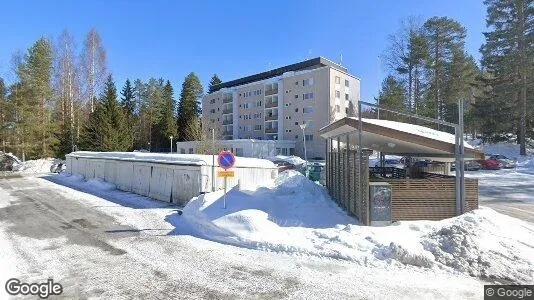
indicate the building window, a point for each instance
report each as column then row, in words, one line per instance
column 288, row 117
column 307, row 110
column 338, row 94
column 182, row 151
column 309, row 137
column 338, row 80
column 307, row 96
column 296, row 123
column 288, row 104
column 307, row 82
column 257, row 127
column 212, row 110
column 296, row 110
column 346, row 96
column 296, row 136
column 309, row 123
column 296, row 83
column 338, row 108
column 212, row 101
column 190, row 150
column 346, row 83
column 258, row 104
column 288, row 130
column 296, row 96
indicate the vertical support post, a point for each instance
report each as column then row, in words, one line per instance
column 347, row 176
column 459, row 161
column 338, row 165
column 365, row 208
column 212, row 159
column 330, row 169
column 327, row 161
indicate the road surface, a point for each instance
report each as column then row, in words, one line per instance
column 51, row 231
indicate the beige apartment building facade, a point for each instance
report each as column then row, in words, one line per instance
column 272, row 105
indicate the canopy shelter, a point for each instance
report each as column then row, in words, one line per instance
column 348, row 141
column 404, row 139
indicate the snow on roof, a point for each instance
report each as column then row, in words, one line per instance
column 177, row 159
column 416, row 129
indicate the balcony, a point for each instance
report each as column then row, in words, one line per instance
column 271, row 92
column 269, row 129
column 228, row 111
column 227, row 100
column 271, row 117
column 228, row 122
column 271, row 104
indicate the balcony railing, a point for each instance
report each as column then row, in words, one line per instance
column 271, row 92
column 227, row 100
column 228, row 110
column 271, row 117
column 271, row 129
column 271, row 104
column 228, row 122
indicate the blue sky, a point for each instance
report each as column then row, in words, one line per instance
column 170, row 38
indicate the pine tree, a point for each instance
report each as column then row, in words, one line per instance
column 445, row 37
column 166, row 126
column 509, row 55
column 35, row 72
column 215, row 80
column 107, row 129
column 127, row 99
column 189, row 109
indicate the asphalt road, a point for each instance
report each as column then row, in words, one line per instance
column 515, row 208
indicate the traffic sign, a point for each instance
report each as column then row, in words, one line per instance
column 225, row 174
column 226, row 159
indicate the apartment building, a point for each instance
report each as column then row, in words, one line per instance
column 272, row 105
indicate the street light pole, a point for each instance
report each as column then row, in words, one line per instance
column 171, row 143
column 303, row 126
column 213, row 160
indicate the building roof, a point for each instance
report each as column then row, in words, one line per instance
column 300, row 66
column 399, row 138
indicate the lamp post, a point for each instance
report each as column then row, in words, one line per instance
column 171, row 143
column 303, row 126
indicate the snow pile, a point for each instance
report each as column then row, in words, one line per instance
column 180, row 159
column 297, row 216
column 38, row 166
column 290, row 159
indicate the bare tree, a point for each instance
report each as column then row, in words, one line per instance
column 66, row 82
column 93, row 66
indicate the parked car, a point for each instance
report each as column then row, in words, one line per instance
column 506, row 162
column 283, row 165
column 469, row 165
column 490, row 164
column 392, row 163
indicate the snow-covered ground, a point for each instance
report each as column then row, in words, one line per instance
column 286, row 241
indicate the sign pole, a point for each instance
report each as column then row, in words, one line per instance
column 224, row 200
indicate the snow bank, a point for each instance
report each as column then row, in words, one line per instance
column 38, row 166
column 181, row 159
column 290, row 159
column 297, row 216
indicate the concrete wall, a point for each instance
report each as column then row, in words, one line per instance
column 176, row 183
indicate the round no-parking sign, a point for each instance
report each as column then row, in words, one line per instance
column 226, row 159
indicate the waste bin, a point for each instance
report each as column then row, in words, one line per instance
column 379, row 203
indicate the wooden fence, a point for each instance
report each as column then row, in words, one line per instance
column 428, row 199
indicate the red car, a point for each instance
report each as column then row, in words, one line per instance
column 490, row 164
